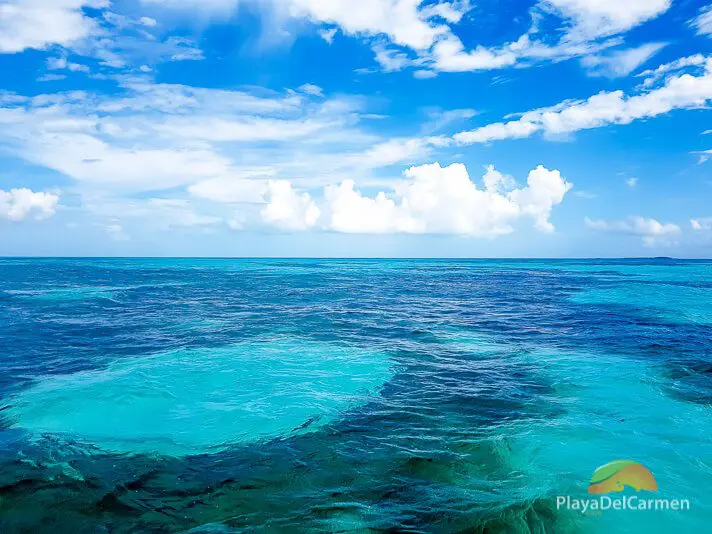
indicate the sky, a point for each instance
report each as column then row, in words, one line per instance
column 377, row 128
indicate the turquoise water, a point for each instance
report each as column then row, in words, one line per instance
column 349, row 396
column 202, row 400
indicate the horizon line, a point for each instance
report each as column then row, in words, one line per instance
column 446, row 258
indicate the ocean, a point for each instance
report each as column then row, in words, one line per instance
column 433, row 396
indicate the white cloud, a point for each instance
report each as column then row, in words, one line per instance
column 703, row 22
column 653, row 76
column 496, row 181
column 428, row 31
column 17, row 204
column 497, row 131
column 288, row 210
column 246, row 128
column 545, row 189
column 148, row 21
column 311, row 89
column 328, row 35
column 452, row 12
column 149, row 137
column 431, row 199
column 391, row 60
column 407, row 150
column 409, row 33
column 94, row 161
column 404, row 33
column 62, row 63
column 596, row 18
column 117, row 41
column 620, row 62
column 400, row 20
column 449, row 55
column 652, row 232
column 701, row 224
column 425, row 74
column 685, row 91
column 631, row 182
column 350, row 212
column 41, row 23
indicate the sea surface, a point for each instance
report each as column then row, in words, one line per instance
column 443, row 396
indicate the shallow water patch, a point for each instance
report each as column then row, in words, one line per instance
column 199, row 401
column 615, row 408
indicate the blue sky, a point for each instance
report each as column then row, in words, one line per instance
column 539, row 128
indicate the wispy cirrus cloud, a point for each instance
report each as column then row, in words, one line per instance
column 619, row 63
column 702, row 23
column 684, row 91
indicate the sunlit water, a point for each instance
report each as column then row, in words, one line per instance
column 349, row 396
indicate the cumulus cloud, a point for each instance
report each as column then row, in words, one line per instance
column 431, row 199
column 684, row 91
column 287, row 209
column 651, row 231
column 18, row 204
column 351, row 212
column 620, row 63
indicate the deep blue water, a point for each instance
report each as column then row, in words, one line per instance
column 349, row 395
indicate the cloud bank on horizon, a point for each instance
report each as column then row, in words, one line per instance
column 265, row 127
